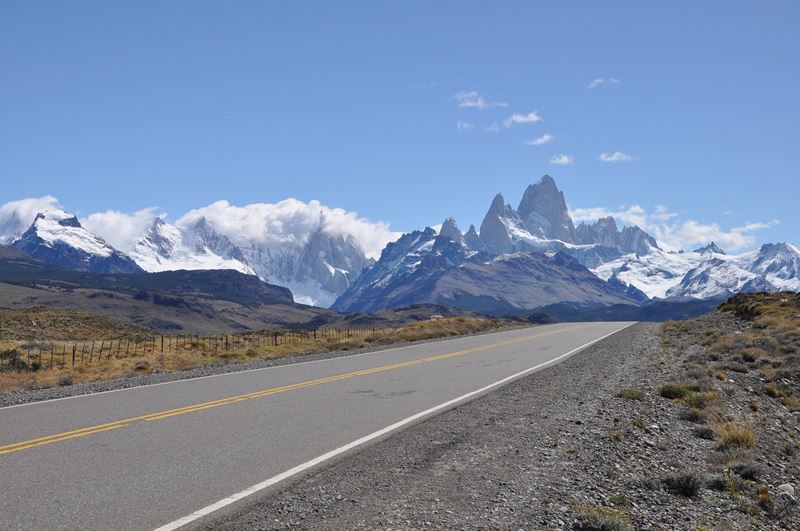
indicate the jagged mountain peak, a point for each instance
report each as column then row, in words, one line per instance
column 57, row 238
column 495, row 227
column 544, row 211
column 450, row 230
column 158, row 221
column 165, row 247
column 498, row 205
column 711, row 248
column 633, row 239
column 608, row 223
column 161, row 237
column 61, row 217
column 472, row 240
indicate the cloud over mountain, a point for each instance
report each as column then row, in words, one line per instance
column 667, row 228
column 120, row 229
column 17, row 216
column 291, row 221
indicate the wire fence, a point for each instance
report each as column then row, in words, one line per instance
column 48, row 355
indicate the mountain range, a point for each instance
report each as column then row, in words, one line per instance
column 534, row 256
column 521, row 258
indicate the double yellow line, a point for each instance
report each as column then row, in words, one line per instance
column 100, row 428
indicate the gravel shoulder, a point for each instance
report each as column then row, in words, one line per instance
column 555, row 450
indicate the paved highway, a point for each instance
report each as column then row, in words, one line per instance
column 168, row 454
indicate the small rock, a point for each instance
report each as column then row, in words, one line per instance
column 787, row 488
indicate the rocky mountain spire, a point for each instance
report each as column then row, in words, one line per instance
column 604, row 232
column 472, row 240
column 450, row 230
column 494, row 228
column 544, row 212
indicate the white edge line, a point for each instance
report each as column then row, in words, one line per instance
column 205, row 511
column 281, row 366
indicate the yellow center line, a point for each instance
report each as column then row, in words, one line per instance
column 160, row 415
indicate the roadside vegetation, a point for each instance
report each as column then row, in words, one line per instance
column 707, row 427
column 733, row 377
column 58, row 348
column 39, row 323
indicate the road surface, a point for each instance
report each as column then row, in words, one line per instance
column 166, row 455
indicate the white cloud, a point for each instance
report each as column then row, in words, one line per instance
column 603, row 82
column 673, row 233
column 562, row 160
column 617, row 156
column 541, row 140
column 508, row 123
column 472, row 100
column 464, row 127
column 17, row 216
column 120, row 229
column 291, row 221
column 288, row 221
column 530, row 118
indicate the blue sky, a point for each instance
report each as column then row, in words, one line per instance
column 111, row 105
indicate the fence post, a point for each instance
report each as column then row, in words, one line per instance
column 74, row 347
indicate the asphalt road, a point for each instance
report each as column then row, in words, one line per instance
column 148, row 457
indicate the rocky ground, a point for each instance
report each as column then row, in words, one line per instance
column 640, row 431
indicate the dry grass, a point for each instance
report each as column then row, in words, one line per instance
column 196, row 353
column 631, row 394
column 42, row 323
column 616, row 435
column 595, row 518
column 765, row 500
column 733, row 435
column 791, row 403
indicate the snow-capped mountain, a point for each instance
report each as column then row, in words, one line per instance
column 426, row 267
column 57, row 238
column 163, row 248
column 11, row 228
column 708, row 272
column 325, row 254
column 423, row 267
column 314, row 250
column 526, row 257
column 316, row 269
column 542, row 223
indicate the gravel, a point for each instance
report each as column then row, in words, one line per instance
column 555, row 450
